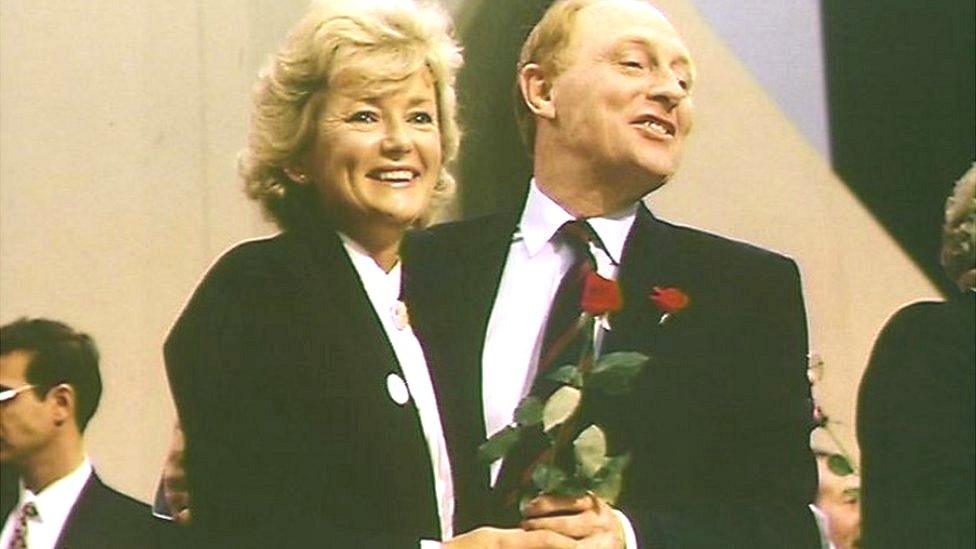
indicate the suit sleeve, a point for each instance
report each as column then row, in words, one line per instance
column 209, row 358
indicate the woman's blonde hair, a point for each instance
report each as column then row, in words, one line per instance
column 381, row 41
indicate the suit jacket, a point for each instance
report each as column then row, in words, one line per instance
column 718, row 424
column 915, row 424
column 101, row 518
column 105, row 518
column 278, row 367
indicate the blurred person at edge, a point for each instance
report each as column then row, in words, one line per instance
column 839, row 503
column 309, row 414
column 49, row 390
column 915, row 420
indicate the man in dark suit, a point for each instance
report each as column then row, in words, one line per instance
column 915, row 421
column 718, row 425
column 50, row 390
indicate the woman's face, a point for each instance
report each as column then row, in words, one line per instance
column 376, row 154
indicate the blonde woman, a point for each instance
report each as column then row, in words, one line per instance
column 309, row 413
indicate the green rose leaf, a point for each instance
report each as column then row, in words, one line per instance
column 609, row 480
column 839, row 465
column 529, row 411
column 590, row 448
column 498, row 444
column 560, row 406
column 524, row 502
column 548, row 478
column 614, row 373
column 572, row 488
column 568, row 374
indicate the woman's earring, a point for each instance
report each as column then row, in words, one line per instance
column 296, row 176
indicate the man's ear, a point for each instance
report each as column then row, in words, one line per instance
column 536, row 91
column 64, row 400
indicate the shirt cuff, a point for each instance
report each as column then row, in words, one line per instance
column 160, row 508
column 430, row 544
column 630, row 537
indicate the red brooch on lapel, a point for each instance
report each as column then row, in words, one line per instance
column 669, row 300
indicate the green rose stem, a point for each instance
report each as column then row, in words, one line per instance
column 565, row 430
column 840, row 446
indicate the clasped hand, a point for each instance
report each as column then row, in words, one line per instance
column 584, row 522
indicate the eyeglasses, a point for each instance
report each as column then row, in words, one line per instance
column 10, row 394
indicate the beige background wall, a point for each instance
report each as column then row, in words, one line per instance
column 119, row 125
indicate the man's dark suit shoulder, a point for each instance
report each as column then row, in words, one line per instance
column 719, row 242
column 916, row 429
column 106, row 518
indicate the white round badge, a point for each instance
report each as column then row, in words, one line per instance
column 397, row 389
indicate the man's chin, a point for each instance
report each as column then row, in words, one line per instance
column 657, row 182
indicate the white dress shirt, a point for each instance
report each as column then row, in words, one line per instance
column 53, row 505
column 383, row 290
column 533, row 270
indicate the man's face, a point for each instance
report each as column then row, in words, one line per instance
column 622, row 103
column 27, row 423
column 836, row 497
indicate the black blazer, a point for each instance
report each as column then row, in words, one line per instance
column 916, row 425
column 278, row 367
column 718, row 425
column 105, row 518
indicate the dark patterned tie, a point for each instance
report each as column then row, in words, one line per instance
column 560, row 346
column 27, row 511
column 561, row 341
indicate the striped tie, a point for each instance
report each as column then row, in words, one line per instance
column 561, row 341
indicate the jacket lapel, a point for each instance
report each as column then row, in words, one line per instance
column 83, row 520
column 649, row 259
column 335, row 284
column 452, row 282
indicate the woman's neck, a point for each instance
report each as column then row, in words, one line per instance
column 383, row 246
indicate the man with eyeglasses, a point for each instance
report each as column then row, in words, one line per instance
column 49, row 390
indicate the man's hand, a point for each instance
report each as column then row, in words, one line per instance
column 175, row 489
column 502, row 538
column 586, row 518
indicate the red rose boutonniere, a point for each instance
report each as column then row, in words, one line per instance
column 669, row 301
column 600, row 295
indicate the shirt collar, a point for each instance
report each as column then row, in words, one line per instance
column 542, row 217
column 378, row 283
column 54, row 502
